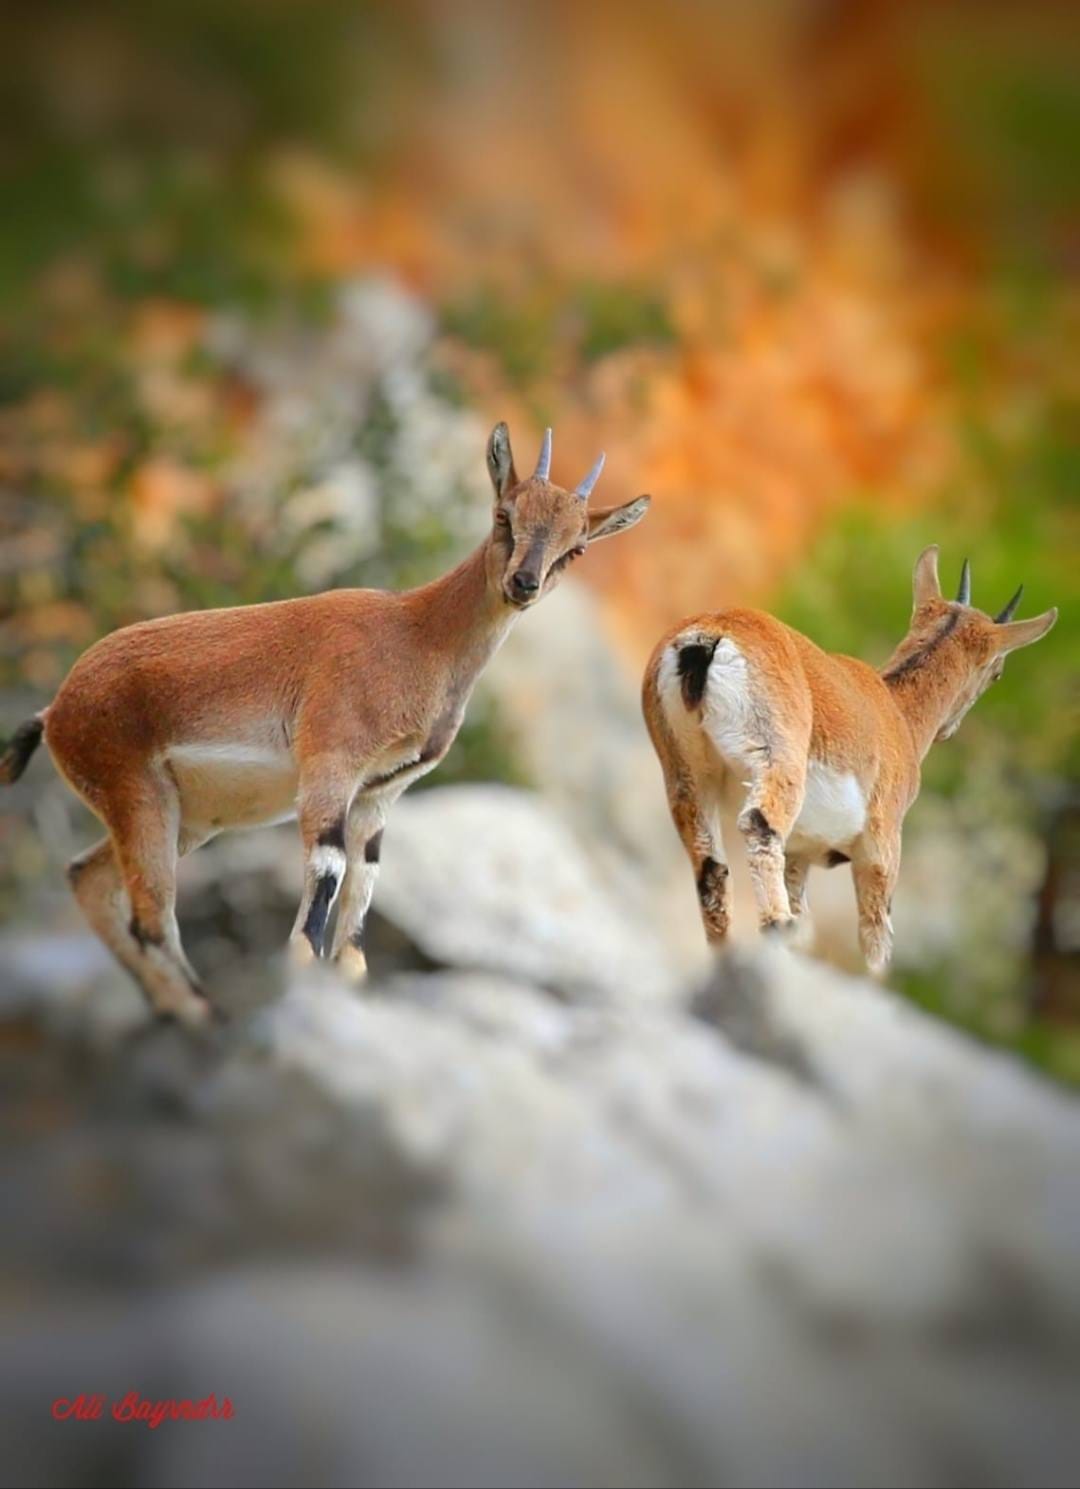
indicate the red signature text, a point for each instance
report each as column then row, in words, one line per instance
column 136, row 1408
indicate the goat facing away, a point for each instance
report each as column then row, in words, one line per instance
column 821, row 752
column 325, row 707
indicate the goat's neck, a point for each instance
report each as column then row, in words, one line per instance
column 465, row 616
column 925, row 686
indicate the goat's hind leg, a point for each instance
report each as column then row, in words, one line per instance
column 772, row 805
column 363, row 840
column 695, row 810
column 146, row 943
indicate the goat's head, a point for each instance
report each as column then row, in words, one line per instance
column 540, row 528
column 976, row 644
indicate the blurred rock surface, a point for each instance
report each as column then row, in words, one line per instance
column 491, row 878
column 457, row 1230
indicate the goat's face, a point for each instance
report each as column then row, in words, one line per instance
column 541, row 528
column 976, row 643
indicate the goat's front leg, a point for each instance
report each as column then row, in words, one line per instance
column 875, row 867
column 326, row 786
column 363, row 838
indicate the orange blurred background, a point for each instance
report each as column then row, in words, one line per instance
column 799, row 204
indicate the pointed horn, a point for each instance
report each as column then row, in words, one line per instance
column 963, row 594
column 584, row 488
column 1010, row 609
column 543, row 462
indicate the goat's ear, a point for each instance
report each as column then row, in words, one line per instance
column 500, row 460
column 925, row 584
column 608, row 521
column 1017, row 633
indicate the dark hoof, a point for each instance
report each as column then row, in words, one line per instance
column 779, row 929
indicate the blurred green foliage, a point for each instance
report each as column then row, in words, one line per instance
column 543, row 331
column 1053, row 1047
column 1007, row 104
column 135, row 135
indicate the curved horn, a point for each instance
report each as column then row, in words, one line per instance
column 543, row 461
column 1010, row 609
column 584, row 488
column 963, row 594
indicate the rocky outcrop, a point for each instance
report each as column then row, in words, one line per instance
column 491, row 879
column 457, row 1230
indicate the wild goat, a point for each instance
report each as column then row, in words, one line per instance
column 821, row 752
column 325, row 707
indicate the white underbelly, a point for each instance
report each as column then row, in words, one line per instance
column 234, row 784
column 833, row 811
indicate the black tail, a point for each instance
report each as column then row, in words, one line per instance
column 22, row 745
column 695, row 658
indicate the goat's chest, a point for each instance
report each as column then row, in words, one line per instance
column 409, row 759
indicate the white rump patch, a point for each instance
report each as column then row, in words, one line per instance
column 728, row 712
column 727, row 724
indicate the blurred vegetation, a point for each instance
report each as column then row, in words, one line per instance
column 135, row 136
column 1010, row 109
column 556, row 328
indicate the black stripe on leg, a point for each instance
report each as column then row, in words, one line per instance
column 711, row 880
column 372, row 847
column 333, row 836
column 319, row 911
column 757, row 827
column 142, row 936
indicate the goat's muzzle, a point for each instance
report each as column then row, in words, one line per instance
column 522, row 587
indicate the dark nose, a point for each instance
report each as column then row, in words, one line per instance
column 523, row 584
